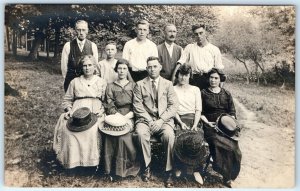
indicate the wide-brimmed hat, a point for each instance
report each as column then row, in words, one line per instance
column 115, row 125
column 190, row 148
column 81, row 120
column 228, row 126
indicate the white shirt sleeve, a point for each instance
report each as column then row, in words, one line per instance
column 95, row 51
column 125, row 54
column 218, row 59
column 64, row 59
column 198, row 104
column 184, row 55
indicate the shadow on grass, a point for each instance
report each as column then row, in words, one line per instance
column 43, row 64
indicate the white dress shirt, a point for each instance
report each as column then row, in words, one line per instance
column 138, row 52
column 170, row 48
column 202, row 59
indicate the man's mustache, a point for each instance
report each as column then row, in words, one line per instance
column 172, row 36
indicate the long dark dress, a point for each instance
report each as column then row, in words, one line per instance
column 225, row 152
column 119, row 151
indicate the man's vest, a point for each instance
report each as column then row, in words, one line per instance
column 76, row 54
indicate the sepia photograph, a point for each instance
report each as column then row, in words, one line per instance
column 149, row 96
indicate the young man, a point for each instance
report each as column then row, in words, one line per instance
column 155, row 105
column 202, row 56
column 169, row 52
column 72, row 51
column 137, row 50
column 105, row 68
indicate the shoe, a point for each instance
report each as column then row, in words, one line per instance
column 227, row 183
column 169, row 180
column 178, row 173
column 146, row 174
column 198, row 177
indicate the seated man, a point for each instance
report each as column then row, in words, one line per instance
column 155, row 105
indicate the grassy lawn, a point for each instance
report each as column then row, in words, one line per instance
column 30, row 119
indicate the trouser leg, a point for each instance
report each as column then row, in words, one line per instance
column 142, row 136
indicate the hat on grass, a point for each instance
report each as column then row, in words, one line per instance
column 81, row 120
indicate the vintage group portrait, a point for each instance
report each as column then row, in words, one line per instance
column 149, row 96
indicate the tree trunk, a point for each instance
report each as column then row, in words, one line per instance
column 56, row 47
column 39, row 37
column 7, row 38
column 14, row 44
column 262, row 71
column 248, row 72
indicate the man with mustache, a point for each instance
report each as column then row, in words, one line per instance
column 169, row 52
column 137, row 50
column 202, row 56
column 74, row 50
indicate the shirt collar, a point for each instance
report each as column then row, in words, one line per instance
column 83, row 41
column 169, row 45
column 156, row 80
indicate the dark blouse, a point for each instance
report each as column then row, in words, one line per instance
column 119, row 99
column 214, row 104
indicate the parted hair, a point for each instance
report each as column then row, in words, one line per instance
column 86, row 58
column 152, row 58
column 81, row 21
column 121, row 61
column 218, row 71
column 142, row 22
column 184, row 70
column 195, row 27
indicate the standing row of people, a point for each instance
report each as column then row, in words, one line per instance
column 152, row 103
column 200, row 55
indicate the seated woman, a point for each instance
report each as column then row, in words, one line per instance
column 119, row 151
column 217, row 101
column 188, row 117
column 76, row 148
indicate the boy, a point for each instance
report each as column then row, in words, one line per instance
column 105, row 68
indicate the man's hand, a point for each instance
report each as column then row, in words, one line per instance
column 156, row 125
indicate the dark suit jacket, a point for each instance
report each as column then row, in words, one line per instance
column 144, row 103
column 168, row 63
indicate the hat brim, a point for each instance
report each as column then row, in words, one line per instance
column 115, row 133
column 75, row 128
column 234, row 137
column 178, row 148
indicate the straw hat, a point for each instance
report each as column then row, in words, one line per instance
column 116, row 125
column 228, row 126
column 81, row 120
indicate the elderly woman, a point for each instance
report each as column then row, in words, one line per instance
column 119, row 151
column 76, row 147
column 188, row 117
column 217, row 101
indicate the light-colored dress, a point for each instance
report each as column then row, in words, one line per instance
column 80, row 148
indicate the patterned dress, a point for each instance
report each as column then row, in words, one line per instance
column 119, row 151
column 80, row 148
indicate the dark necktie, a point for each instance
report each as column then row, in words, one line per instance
column 154, row 91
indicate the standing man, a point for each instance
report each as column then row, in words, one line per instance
column 75, row 49
column 169, row 52
column 202, row 56
column 155, row 105
column 137, row 50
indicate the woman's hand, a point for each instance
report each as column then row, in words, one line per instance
column 184, row 126
column 211, row 124
column 194, row 128
column 68, row 114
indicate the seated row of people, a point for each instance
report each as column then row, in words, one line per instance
column 129, row 114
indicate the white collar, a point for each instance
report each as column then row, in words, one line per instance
column 169, row 45
column 83, row 41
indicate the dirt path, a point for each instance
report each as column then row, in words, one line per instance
column 268, row 153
